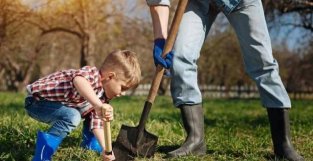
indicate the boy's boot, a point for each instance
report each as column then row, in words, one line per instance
column 46, row 145
column 280, row 130
column 192, row 116
column 89, row 141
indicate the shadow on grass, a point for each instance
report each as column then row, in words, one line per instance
column 15, row 146
column 167, row 148
column 243, row 121
column 70, row 141
column 18, row 145
column 271, row 157
column 15, row 151
column 12, row 107
column 233, row 153
column 236, row 154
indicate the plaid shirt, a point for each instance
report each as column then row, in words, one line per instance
column 59, row 87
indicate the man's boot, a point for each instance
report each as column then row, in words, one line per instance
column 280, row 130
column 46, row 145
column 192, row 116
column 89, row 141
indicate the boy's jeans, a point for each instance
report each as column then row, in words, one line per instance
column 249, row 24
column 62, row 118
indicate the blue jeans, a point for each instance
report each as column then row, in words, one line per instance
column 250, row 26
column 62, row 119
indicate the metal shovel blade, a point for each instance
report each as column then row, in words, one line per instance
column 125, row 146
column 135, row 141
column 121, row 153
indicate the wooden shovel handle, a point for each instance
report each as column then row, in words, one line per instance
column 107, row 135
column 167, row 48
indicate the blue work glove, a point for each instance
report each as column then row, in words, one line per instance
column 157, row 54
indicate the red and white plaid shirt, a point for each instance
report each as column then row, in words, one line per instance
column 59, row 87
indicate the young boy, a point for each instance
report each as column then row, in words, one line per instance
column 61, row 99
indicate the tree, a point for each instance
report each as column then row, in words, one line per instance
column 294, row 14
column 67, row 34
column 304, row 9
column 83, row 19
column 14, row 73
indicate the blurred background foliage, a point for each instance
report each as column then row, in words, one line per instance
column 40, row 37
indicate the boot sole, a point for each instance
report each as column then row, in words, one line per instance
column 200, row 150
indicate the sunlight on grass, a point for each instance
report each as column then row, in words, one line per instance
column 234, row 129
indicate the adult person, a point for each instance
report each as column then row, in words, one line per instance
column 248, row 20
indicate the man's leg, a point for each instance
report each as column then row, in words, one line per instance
column 186, row 95
column 250, row 26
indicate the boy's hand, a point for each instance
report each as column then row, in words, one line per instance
column 108, row 115
column 108, row 157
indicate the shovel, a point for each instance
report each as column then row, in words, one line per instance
column 136, row 141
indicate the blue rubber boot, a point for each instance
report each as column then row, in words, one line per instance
column 89, row 141
column 46, row 145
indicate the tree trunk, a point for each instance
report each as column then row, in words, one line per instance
column 83, row 51
column 27, row 76
column 88, row 49
column 90, row 56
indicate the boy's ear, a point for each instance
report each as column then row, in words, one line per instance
column 111, row 75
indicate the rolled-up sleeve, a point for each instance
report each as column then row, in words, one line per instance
column 158, row 2
column 96, row 122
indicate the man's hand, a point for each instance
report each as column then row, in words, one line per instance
column 108, row 157
column 157, row 54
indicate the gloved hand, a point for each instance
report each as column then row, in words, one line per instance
column 157, row 54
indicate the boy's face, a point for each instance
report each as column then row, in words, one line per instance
column 114, row 87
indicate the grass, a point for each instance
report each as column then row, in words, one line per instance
column 234, row 129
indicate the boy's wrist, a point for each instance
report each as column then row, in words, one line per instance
column 100, row 106
column 104, row 106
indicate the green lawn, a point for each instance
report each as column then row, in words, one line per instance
column 235, row 129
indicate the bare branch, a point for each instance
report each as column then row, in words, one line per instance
column 79, row 25
column 308, row 27
column 60, row 29
column 11, row 63
column 297, row 9
column 36, row 24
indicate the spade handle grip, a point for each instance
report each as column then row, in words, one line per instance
column 107, row 134
column 107, row 137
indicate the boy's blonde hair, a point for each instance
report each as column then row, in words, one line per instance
column 125, row 64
